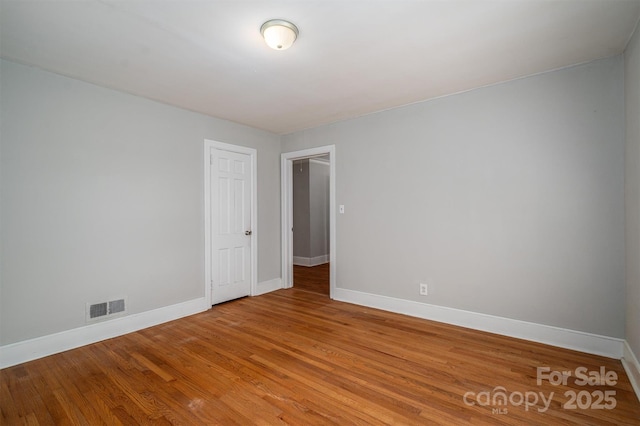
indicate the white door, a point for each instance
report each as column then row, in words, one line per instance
column 230, row 225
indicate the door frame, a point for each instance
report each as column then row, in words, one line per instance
column 209, row 204
column 286, row 169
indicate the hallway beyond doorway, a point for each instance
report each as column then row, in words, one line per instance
column 314, row 279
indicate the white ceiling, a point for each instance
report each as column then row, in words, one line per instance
column 351, row 58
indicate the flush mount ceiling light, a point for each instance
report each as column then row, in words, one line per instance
column 279, row 34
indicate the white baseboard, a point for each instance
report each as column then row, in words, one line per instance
column 311, row 261
column 17, row 353
column 632, row 367
column 268, row 286
column 39, row 347
column 570, row 339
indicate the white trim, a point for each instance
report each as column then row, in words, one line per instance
column 286, row 221
column 632, row 367
column 310, row 261
column 28, row 350
column 570, row 339
column 269, row 286
column 286, row 170
column 252, row 153
column 207, row 220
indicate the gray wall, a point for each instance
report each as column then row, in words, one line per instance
column 509, row 199
column 102, row 196
column 301, row 212
column 310, row 208
column 632, row 168
column 319, row 208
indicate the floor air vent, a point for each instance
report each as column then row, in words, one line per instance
column 116, row 306
column 96, row 311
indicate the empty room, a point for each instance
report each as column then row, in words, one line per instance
column 320, row 212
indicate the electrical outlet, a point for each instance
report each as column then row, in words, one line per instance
column 423, row 289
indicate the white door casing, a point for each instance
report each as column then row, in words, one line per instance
column 230, row 222
column 286, row 168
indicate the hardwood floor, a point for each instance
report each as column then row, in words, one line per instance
column 297, row 357
column 315, row 278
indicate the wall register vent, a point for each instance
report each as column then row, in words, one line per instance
column 103, row 310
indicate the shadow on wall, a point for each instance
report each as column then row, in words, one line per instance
column 311, row 211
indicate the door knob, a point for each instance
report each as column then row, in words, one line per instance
column 247, row 232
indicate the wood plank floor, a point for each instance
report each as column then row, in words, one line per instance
column 314, row 278
column 296, row 357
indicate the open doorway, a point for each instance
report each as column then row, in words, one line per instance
column 308, row 254
column 311, row 224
